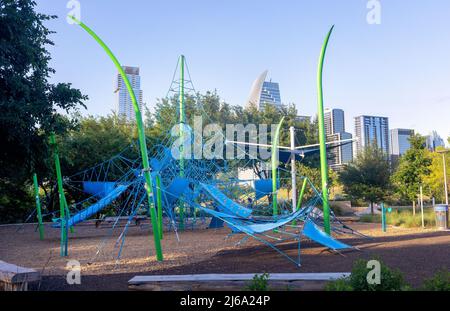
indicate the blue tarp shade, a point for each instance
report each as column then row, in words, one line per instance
column 95, row 208
column 216, row 223
column 175, row 190
column 98, row 188
column 158, row 165
column 263, row 187
column 312, row 231
column 225, row 204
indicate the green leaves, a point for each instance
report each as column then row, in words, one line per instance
column 31, row 106
column 368, row 177
column 413, row 167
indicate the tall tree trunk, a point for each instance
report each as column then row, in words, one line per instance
column 414, row 208
column 371, row 208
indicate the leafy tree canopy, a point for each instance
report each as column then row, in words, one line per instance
column 368, row 177
column 413, row 167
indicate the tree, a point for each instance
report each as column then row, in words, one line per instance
column 434, row 182
column 368, row 176
column 30, row 106
column 413, row 167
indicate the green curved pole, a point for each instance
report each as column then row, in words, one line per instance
column 62, row 198
column 322, row 138
column 141, row 132
column 159, row 205
column 38, row 206
column 275, row 143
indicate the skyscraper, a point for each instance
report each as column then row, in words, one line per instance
column 335, row 131
column 434, row 140
column 264, row 92
column 124, row 108
column 399, row 143
column 334, row 121
column 372, row 130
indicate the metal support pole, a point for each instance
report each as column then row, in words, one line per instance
column 421, row 207
column 38, row 206
column 445, row 179
column 159, row 205
column 182, row 122
column 293, row 170
column 275, row 139
column 141, row 134
column 383, row 217
column 302, row 193
column 62, row 199
column 322, row 137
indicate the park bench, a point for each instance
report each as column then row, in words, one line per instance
column 15, row 278
column 231, row 282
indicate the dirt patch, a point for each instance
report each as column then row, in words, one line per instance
column 417, row 253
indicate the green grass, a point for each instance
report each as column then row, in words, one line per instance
column 404, row 218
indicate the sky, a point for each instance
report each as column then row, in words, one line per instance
column 399, row 68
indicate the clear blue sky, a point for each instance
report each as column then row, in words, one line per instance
column 399, row 69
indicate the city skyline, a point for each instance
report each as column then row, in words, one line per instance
column 406, row 81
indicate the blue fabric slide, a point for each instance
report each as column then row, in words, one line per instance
column 225, row 204
column 98, row 188
column 312, row 231
column 94, row 208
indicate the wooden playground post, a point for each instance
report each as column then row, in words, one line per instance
column 38, row 206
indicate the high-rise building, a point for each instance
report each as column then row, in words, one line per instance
column 264, row 92
column 303, row 119
column 124, row 105
column 372, row 130
column 335, row 131
column 399, row 143
column 334, row 121
column 434, row 140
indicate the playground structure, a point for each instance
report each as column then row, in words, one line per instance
column 176, row 190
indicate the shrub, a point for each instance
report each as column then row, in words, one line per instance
column 403, row 218
column 391, row 280
column 340, row 285
column 439, row 282
column 259, row 283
